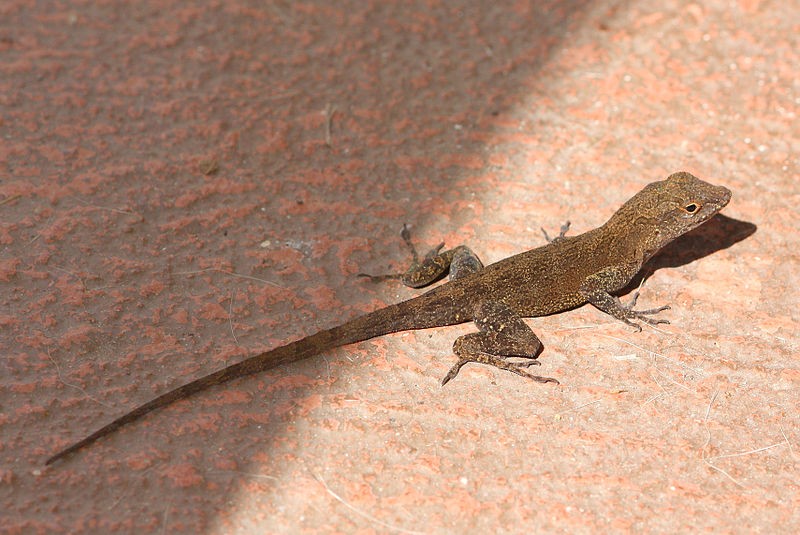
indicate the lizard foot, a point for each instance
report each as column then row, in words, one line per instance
column 561, row 233
column 492, row 360
column 641, row 315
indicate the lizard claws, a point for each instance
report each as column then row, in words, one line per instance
column 634, row 325
column 493, row 360
column 641, row 315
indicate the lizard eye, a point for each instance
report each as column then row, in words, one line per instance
column 691, row 208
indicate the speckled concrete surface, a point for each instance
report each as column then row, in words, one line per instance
column 185, row 184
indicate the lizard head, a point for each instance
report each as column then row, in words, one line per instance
column 664, row 210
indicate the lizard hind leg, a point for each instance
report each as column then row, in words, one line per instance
column 502, row 334
column 436, row 263
column 464, row 262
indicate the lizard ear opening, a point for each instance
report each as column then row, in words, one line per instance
column 691, row 208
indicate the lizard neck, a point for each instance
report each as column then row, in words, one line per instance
column 633, row 239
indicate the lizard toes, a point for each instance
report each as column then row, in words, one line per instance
column 537, row 378
column 434, row 252
column 454, row 370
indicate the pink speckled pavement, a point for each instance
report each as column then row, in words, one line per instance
column 183, row 184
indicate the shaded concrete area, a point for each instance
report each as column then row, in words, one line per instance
column 183, row 185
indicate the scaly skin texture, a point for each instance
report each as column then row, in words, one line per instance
column 565, row 273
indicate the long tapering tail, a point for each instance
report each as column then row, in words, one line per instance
column 393, row 318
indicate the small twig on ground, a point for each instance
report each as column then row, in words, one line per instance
column 166, row 517
column 83, row 391
column 102, row 207
column 671, row 380
column 781, row 443
column 9, row 199
column 248, row 474
column 708, row 441
column 360, row 512
column 578, row 407
column 673, row 361
column 128, row 487
column 231, row 273
column 791, row 449
column 330, row 110
column 230, row 320
column 664, row 391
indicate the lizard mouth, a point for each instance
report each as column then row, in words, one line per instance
column 717, row 202
column 724, row 198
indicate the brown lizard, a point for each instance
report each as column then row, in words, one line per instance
column 565, row 273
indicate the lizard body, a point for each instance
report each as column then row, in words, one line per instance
column 565, row 273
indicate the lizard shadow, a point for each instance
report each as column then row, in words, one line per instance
column 717, row 234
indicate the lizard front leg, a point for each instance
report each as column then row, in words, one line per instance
column 458, row 262
column 596, row 291
column 561, row 233
column 502, row 334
